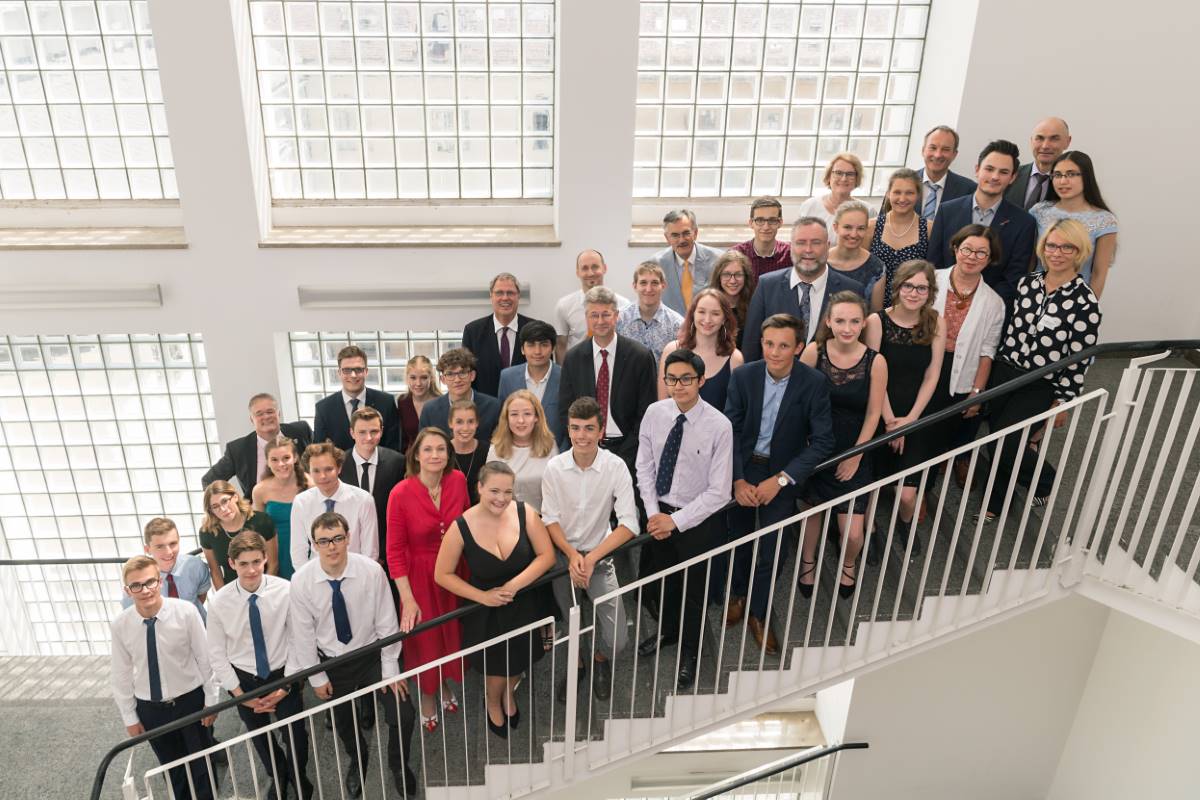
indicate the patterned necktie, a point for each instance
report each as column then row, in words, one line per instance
column 685, row 282
column 152, row 661
column 329, row 505
column 172, row 589
column 365, row 483
column 670, row 454
column 262, row 664
column 805, row 306
column 341, row 617
column 931, row 201
column 1035, row 190
column 602, row 390
column 505, row 348
column 353, row 405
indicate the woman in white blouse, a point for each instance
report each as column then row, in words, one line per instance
column 843, row 175
column 974, row 318
column 523, row 441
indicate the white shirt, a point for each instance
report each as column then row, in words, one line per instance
column 182, row 656
column 230, row 643
column 510, row 334
column 353, row 503
column 346, row 398
column 528, row 468
column 311, row 629
column 570, row 317
column 358, row 464
column 582, row 499
column 816, row 296
column 611, row 428
column 538, row 387
column 703, row 479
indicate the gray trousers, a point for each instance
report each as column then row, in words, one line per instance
column 610, row 616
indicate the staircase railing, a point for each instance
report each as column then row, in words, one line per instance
column 1040, row 551
column 796, row 775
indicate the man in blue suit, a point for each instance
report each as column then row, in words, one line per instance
column 538, row 374
column 332, row 414
column 938, row 152
column 457, row 368
column 995, row 170
column 782, row 428
column 686, row 263
column 802, row 291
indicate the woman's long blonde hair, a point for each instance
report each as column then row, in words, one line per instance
column 543, row 441
column 213, row 525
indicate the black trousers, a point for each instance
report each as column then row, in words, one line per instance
column 957, row 430
column 1008, row 410
column 180, row 743
column 274, row 756
column 397, row 713
column 677, row 598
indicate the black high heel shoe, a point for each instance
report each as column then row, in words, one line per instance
column 846, row 591
column 514, row 719
column 500, row 730
column 806, row 589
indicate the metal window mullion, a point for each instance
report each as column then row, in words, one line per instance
column 458, row 168
column 487, row 63
column 37, row 61
column 691, row 156
column 20, row 137
column 141, row 70
column 116, row 116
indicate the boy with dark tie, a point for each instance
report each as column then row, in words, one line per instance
column 248, row 646
column 160, row 673
column 340, row 602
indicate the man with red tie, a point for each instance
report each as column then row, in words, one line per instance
column 184, row 576
column 493, row 339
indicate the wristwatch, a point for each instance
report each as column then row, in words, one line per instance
column 783, row 480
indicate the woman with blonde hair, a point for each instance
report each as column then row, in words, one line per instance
column 733, row 276
column 898, row 234
column 226, row 514
column 843, row 175
column 523, row 441
column 421, row 388
column 277, row 487
column 850, row 256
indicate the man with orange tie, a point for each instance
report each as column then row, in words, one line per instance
column 687, row 263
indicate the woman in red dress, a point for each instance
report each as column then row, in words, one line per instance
column 420, row 510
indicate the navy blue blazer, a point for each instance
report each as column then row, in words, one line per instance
column 479, row 336
column 1018, row 235
column 332, row 423
column 803, row 434
column 436, row 413
column 774, row 295
column 956, row 186
column 513, row 378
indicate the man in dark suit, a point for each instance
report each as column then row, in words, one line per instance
column 457, row 368
column 782, row 428
column 493, row 339
column 371, row 467
column 1050, row 139
column 939, row 152
column 995, row 170
column 538, row 374
column 619, row 372
column 802, row 291
column 333, row 412
column 245, row 457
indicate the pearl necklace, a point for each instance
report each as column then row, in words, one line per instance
column 891, row 220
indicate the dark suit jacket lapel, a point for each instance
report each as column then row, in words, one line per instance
column 248, row 457
column 754, row 403
column 789, row 397
column 791, row 296
column 619, row 367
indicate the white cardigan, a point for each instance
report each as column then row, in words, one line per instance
column 980, row 334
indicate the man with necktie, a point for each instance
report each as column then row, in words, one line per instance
column 333, row 412
column 686, row 263
column 184, row 575
column 684, row 472
column 323, row 463
column 493, row 339
column 941, row 184
column 160, row 672
column 340, row 602
column 372, row 467
column 248, row 646
column 1050, row 139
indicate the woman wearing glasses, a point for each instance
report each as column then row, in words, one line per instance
column 911, row 336
column 843, row 175
column 1079, row 199
column 226, row 514
column 709, row 330
column 974, row 316
column 1055, row 315
column 734, row 277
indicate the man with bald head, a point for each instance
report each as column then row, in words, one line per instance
column 1050, row 138
column 570, row 322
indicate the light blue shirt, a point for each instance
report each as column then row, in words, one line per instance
column 983, row 216
column 772, row 396
column 655, row 334
column 192, row 579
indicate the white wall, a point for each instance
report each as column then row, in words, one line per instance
column 1138, row 723
column 983, row 717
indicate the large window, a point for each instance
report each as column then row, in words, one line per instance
column 314, row 359
column 743, row 98
column 396, row 100
column 81, row 113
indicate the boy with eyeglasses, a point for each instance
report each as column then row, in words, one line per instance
column 160, row 672
column 332, row 413
column 340, row 602
column 764, row 249
column 184, row 576
column 457, row 370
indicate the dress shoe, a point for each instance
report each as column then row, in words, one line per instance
column 737, row 609
column 560, row 689
column 353, row 783
column 763, row 635
column 307, row 790
column 405, row 782
column 602, row 680
column 366, row 712
column 500, row 730
column 687, row 671
column 514, row 719
column 652, row 644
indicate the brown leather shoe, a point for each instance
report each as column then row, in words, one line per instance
column 737, row 609
column 961, row 468
column 761, row 632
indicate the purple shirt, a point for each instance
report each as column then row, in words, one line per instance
column 782, row 258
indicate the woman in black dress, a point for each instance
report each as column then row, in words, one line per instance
column 912, row 337
column 506, row 548
column 858, row 378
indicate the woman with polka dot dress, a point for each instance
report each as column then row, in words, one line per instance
column 1055, row 314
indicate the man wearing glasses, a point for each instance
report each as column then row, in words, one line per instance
column 160, row 673
column 765, row 251
column 340, row 602
column 246, row 456
column 493, row 339
column 457, row 369
column 687, row 264
column 333, row 412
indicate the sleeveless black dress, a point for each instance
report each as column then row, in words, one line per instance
column 907, row 362
column 849, row 393
column 513, row 656
column 716, row 387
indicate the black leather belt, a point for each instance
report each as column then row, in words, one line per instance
column 755, row 458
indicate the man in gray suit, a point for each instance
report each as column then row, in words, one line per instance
column 1050, row 139
column 687, row 264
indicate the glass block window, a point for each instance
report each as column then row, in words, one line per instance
column 314, row 360
column 81, row 109
column 736, row 99
column 403, row 100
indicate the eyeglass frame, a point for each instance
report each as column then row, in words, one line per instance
column 331, row 540
column 685, row 380
column 138, row 588
column 917, row 289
